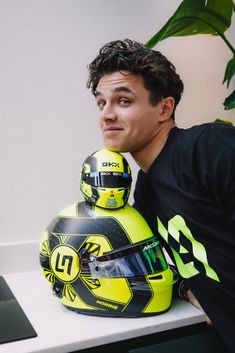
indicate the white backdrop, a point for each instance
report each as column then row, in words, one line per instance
column 49, row 121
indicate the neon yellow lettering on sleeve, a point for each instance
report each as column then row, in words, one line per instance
column 176, row 228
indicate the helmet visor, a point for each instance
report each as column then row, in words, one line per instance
column 107, row 179
column 135, row 260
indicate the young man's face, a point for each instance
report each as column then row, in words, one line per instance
column 128, row 120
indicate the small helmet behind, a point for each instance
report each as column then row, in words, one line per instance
column 106, row 262
column 106, row 179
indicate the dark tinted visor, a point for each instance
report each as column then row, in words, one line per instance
column 135, row 260
column 107, row 179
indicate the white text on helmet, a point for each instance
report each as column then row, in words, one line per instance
column 150, row 246
column 110, row 164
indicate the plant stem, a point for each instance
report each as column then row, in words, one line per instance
column 227, row 42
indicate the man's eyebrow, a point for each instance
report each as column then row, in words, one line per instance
column 116, row 90
column 123, row 89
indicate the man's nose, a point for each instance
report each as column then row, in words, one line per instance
column 107, row 113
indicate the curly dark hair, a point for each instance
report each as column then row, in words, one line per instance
column 159, row 75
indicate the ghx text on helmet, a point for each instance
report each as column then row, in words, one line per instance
column 110, row 164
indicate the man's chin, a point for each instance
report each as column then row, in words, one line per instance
column 115, row 148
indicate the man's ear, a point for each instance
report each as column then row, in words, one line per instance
column 167, row 108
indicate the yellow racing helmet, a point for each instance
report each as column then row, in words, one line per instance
column 106, row 262
column 106, row 179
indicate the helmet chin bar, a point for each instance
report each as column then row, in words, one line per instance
column 140, row 259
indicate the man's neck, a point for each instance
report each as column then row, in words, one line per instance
column 145, row 156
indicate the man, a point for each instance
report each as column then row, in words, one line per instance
column 186, row 184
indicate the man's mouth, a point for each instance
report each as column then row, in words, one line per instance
column 112, row 128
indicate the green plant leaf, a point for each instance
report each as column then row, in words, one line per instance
column 229, row 102
column 196, row 17
column 230, row 71
column 225, row 122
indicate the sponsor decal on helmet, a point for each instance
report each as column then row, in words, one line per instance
column 108, row 305
column 110, row 164
column 111, row 203
column 150, row 246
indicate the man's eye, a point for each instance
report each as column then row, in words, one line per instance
column 101, row 104
column 124, row 101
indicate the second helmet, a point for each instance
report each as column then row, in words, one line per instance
column 106, row 179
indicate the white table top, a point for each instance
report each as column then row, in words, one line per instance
column 61, row 330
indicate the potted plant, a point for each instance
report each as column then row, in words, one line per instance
column 194, row 17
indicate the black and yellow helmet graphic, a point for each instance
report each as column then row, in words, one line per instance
column 106, row 262
column 106, row 179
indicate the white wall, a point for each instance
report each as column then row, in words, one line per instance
column 49, row 122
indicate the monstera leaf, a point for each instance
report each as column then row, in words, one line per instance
column 201, row 17
column 229, row 102
column 230, row 71
column 196, row 17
